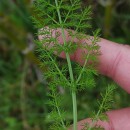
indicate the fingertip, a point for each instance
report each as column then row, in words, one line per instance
column 120, row 119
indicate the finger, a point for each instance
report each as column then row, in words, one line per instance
column 114, row 60
column 117, row 120
column 86, row 123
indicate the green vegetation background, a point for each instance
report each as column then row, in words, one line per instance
column 23, row 91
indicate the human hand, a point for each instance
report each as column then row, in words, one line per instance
column 114, row 62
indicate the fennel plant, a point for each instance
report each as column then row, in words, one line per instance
column 63, row 26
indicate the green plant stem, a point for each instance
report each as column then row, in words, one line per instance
column 86, row 61
column 74, row 110
column 99, row 112
column 61, row 118
column 69, row 11
column 58, row 110
column 94, row 121
column 70, row 72
column 82, row 70
column 59, row 113
column 73, row 93
column 57, row 68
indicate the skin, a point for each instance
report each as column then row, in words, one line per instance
column 114, row 62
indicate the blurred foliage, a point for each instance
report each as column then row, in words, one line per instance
column 23, row 89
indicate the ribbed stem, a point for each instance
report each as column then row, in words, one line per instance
column 74, row 110
column 73, row 93
column 70, row 72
